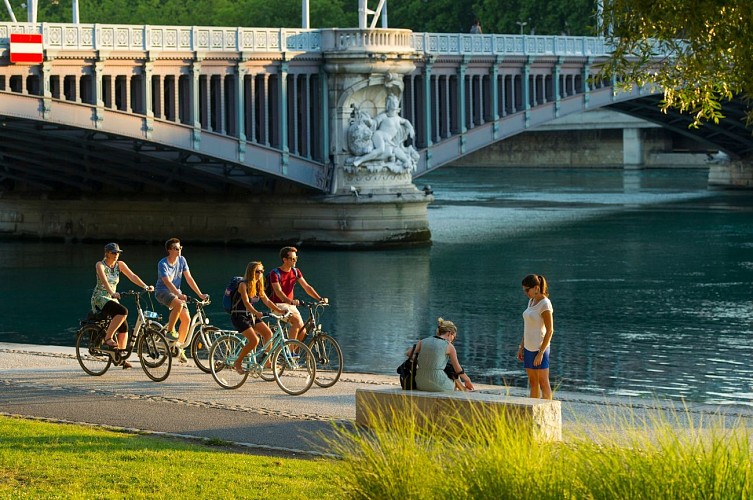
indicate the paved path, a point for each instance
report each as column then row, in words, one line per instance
column 47, row 382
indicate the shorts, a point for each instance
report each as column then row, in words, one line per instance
column 242, row 321
column 529, row 356
column 165, row 298
column 289, row 307
column 112, row 309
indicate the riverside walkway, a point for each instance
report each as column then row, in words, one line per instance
column 46, row 382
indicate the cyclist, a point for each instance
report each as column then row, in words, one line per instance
column 245, row 317
column 283, row 280
column 105, row 296
column 170, row 271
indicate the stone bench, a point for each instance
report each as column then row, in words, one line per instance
column 543, row 418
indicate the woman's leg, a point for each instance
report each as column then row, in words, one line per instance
column 546, row 389
column 253, row 341
column 266, row 334
column 533, row 383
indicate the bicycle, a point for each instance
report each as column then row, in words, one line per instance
column 294, row 369
column 200, row 341
column 151, row 346
column 326, row 350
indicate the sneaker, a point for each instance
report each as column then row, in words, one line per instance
column 172, row 335
column 182, row 356
column 126, row 365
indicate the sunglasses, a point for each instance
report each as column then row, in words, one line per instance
column 259, row 271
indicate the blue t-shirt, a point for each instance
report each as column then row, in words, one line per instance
column 173, row 272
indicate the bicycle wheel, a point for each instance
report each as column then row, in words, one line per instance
column 222, row 357
column 154, row 354
column 92, row 360
column 266, row 374
column 202, row 344
column 295, row 368
column 329, row 359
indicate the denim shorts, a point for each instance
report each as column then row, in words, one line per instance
column 165, row 298
column 529, row 356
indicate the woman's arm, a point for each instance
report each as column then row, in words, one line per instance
column 271, row 305
column 549, row 325
column 132, row 276
column 458, row 369
column 418, row 349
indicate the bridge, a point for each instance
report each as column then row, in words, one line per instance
column 291, row 134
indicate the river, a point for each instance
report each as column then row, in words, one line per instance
column 649, row 276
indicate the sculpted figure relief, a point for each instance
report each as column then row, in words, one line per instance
column 381, row 140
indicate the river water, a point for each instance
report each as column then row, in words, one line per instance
column 649, row 275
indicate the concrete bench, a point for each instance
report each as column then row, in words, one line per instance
column 543, row 418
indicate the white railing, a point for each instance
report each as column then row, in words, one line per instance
column 492, row 45
column 114, row 37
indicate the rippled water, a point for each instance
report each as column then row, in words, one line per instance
column 649, row 271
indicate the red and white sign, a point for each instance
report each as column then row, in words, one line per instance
column 26, row 48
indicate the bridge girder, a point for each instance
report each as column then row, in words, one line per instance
column 58, row 158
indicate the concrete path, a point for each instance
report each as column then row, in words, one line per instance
column 47, row 382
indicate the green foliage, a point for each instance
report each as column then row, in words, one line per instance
column 44, row 460
column 697, row 51
column 544, row 17
column 663, row 456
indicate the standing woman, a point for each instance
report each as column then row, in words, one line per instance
column 538, row 327
column 105, row 296
column 247, row 319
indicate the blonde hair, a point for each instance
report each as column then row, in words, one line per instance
column 254, row 285
column 444, row 326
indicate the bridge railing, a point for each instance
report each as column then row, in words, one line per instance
column 493, row 45
column 119, row 37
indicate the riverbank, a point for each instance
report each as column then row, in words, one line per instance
column 46, row 382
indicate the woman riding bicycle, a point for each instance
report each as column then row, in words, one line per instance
column 105, row 297
column 245, row 317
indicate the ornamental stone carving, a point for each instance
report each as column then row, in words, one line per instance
column 381, row 142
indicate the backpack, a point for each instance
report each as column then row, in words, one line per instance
column 268, row 285
column 230, row 291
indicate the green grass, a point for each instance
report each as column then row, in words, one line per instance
column 46, row 460
column 664, row 456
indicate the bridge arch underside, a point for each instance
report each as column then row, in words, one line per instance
column 60, row 161
column 730, row 135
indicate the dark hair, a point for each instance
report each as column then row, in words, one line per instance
column 285, row 251
column 169, row 243
column 533, row 280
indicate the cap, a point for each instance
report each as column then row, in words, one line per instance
column 113, row 247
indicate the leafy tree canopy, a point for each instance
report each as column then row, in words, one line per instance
column 707, row 43
column 543, row 17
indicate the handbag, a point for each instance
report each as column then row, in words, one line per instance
column 450, row 372
column 407, row 371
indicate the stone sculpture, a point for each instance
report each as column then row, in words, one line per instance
column 382, row 141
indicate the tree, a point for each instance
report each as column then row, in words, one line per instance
column 697, row 51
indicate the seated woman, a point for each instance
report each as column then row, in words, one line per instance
column 105, row 296
column 245, row 317
column 433, row 355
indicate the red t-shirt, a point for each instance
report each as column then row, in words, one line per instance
column 287, row 281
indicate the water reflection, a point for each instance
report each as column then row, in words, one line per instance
column 649, row 275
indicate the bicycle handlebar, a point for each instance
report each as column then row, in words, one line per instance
column 199, row 302
column 319, row 303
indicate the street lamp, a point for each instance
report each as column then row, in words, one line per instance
column 522, row 25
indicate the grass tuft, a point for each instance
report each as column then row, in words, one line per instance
column 661, row 455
